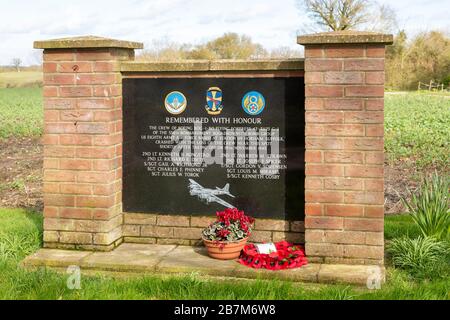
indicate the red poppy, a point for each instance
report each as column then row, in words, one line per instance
column 287, row 256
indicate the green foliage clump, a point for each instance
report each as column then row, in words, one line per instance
column 21, row 112
column 423, row 256
column 20, row 233
column 15, row 246
column 429, row 207
column 417, row 130
column 428, row 255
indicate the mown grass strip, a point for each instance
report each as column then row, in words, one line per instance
column 18, row 283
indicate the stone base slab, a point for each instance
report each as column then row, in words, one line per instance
column 174, row 259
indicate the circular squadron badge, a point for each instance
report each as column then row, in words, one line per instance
column 175, row 102
column 214, row 101
column 253, row 103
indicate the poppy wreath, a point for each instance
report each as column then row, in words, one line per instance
column 288, row 256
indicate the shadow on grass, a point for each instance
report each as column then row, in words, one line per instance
column 35, row 217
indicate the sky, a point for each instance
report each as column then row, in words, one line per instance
column 273, row 23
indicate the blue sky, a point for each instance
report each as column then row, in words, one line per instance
column 273, row 23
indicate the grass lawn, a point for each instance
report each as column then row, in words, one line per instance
column 20, row 235
column 399, row 226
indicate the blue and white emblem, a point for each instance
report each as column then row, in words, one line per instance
column 175, row 102
column 253, row 103
column 214, row 101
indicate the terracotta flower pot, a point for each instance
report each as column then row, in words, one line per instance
column 225, row 250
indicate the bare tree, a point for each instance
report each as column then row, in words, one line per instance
column 285, row 53
column 228, row 46
column 383, row 19
column 338, row 15
column 16, row 62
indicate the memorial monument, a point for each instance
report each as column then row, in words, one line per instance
column 147, row 152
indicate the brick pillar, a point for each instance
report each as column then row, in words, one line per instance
column 344, row 90
column 83, row 141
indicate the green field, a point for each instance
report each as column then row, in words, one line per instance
column 417, row 129
column 21, row 232
column 417, row 126
column 417, row 133
column 21, row 112
column 23, row 79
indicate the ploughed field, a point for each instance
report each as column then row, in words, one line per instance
column 417, row 133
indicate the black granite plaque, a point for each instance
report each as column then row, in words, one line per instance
column 196, row 163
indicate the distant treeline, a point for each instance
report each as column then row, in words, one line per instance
column 424, row 58
column 228, row 46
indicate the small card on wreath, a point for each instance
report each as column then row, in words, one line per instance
column 266, row 248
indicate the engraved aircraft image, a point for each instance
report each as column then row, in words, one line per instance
column 210, row 195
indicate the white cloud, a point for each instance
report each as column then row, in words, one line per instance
column 273, row 23
column 419, row 15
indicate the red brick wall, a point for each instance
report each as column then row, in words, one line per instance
column 187, row 230
column 344, row 153
column 83, row 147
column 83, row 162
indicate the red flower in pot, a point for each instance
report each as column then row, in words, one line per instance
column 226, row 237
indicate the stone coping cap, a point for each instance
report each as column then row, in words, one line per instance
column 86, row 42
column 214, row 65
column 346, row 37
